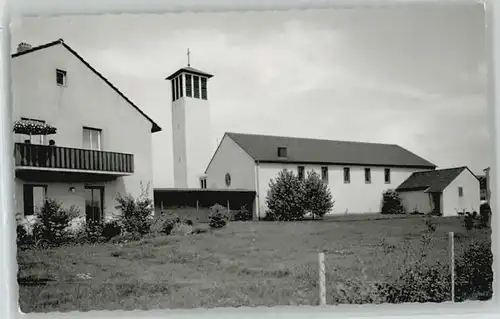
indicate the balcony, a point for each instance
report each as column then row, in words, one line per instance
column 32, row 160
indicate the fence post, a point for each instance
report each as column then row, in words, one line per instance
column 452, row 263
column 228, row 210
column 161, row 206
column 322, row 284
column 197, row 206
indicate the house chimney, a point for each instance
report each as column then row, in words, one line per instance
column 23, row 47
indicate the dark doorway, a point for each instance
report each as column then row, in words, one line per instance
column 94, row 203
column 436, row 201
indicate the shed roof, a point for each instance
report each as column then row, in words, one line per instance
column 434, row 181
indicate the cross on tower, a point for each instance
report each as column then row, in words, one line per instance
column 189, row 56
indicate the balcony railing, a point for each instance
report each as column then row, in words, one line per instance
column 55, row 157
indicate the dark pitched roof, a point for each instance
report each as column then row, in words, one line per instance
column 191, row 70
column 264, row 148
column 434, row 181
column 155, row 127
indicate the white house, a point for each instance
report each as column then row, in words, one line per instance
column 448, row 191
column 192, row 142
column 103, row 144
column 357, row 173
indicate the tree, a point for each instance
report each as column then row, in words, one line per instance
column 285, row 197
column 317, row 198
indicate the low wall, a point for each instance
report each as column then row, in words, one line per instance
column 194, row 204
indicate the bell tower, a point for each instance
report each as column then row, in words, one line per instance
column 192, row 139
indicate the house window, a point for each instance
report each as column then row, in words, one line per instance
column 34, row 139
column 189, row 85
column 300, row 172
column 281, row 151
column 33, row 198
column 203, row 182
column 347, row 175
column 181, row 88
column 204, row 88
column 173, row 90
column 368, row 175
column 61, row 77
column 460, row 191
column 91, row 138
column 387, row 175
column 324, row 173
column 196, row 85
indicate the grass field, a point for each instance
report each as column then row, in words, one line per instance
column 244, row 264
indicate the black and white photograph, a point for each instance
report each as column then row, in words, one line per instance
column 314, row 157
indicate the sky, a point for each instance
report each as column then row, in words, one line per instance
column 413, row 76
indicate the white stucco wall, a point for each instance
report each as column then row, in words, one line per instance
column 85, row 101
column 352, row 198
column 193, row 144
column 232, row 159
column 471, row 199
column 417, row 201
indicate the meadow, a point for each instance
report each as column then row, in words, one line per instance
column 243, row 264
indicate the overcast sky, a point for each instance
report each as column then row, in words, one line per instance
column 410, row 76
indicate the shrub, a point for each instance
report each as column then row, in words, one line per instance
column 468, row 221
column 357, row 290
column 317, row 196
column 93, row 230
column 137, row 214
column 419, row 283
column 218, row 216
column 181, row 230
column 53, row 222
column 22, row 237
column 484, row 215
column 391, row 203
column 285, row 197
column 111, row 229
column 474, row 272
column 167, row 226
column 243, row 214
column 431, row 225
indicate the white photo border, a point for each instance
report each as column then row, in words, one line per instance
column 10, row 9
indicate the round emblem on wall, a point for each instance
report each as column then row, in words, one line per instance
column 228, row 179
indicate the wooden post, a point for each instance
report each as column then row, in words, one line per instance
column 228, row 210
column 322, row 284
column 197, row 206
column 452, row 264
column 161, row 206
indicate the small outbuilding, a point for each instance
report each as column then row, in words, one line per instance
column 447, row 191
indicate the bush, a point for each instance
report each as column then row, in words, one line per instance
column 317, row 197
column 111, row 229
column 137, row 214
column 53, row 222
column 484, row 215
column 22, row 237
column 419, row 283
column 468, row 221
column 243, row 214
column 474, row 272
column 181, row 230
column 218, row 216
column 285, row 197
column 391, row 203
column 167, row 226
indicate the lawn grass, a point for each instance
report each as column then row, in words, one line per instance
column 244, row 264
